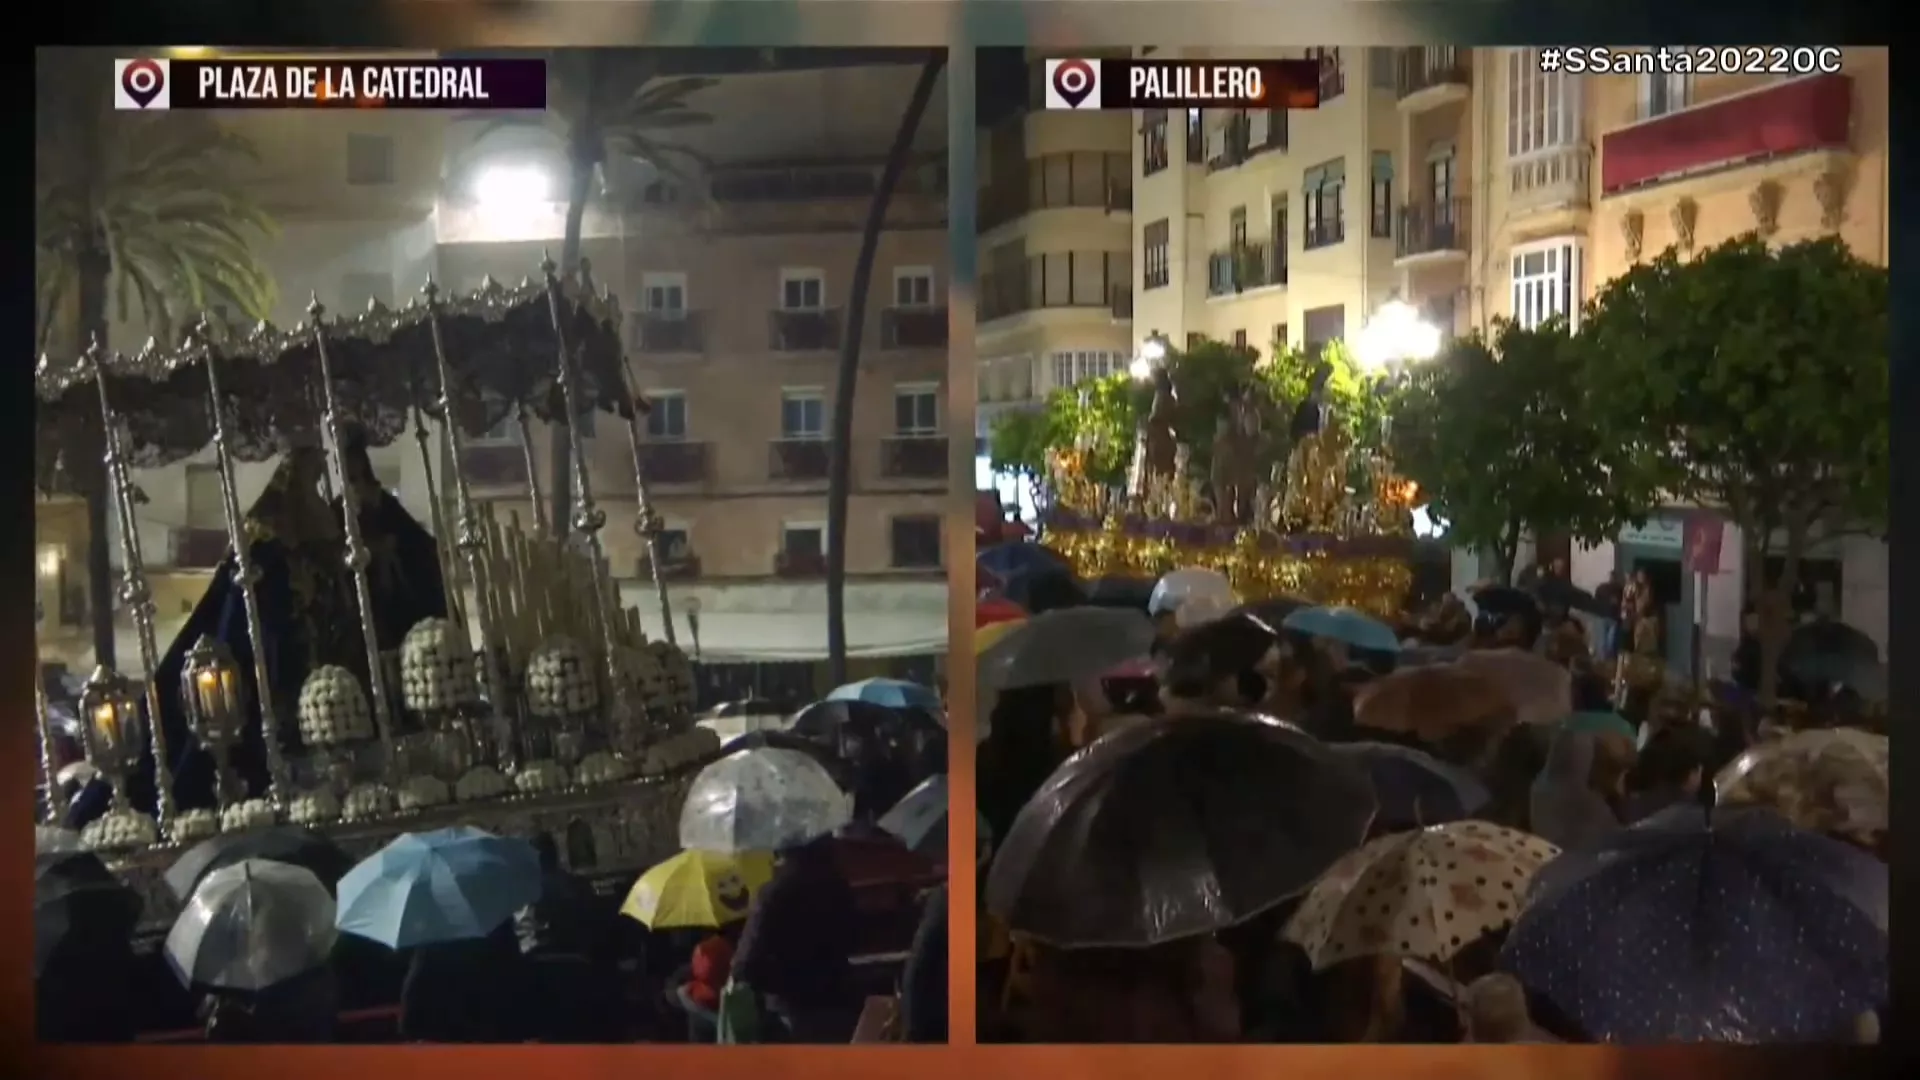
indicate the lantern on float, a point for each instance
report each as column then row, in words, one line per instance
column 114, row 730
column 215, row 704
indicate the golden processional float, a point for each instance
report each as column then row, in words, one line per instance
column 1329, row 523
column 563, row 718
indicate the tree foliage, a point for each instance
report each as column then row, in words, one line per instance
column 1495, row 433
column 1018, row 442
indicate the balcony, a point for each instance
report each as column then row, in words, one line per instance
column 1084, row 179
column 677, row 333
column 1431, row 76
column 1229, row 144
column 1243, row 266
column 1776, row 121
column 1324, row 233
column 1120, row 304
column 1431, row 233
column 675, row 567
column 800, row 564
column 913, row 328
column 199, row 549
column 914, row 457
column 1067, row 279
column 798, row 461
column 494, row 465
column 1550, row 180
column 803, row 331
column 674, row 463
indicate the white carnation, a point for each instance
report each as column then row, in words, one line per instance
column 248, row 814
column 480, row 782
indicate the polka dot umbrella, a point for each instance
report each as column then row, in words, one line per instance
column 1743, row 930
column 1422, row 895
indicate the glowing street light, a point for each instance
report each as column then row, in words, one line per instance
column 1152, row 352
column 1396, row 336
column 511, row 189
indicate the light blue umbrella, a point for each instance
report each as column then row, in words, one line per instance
column 919, row 820
column 893, row 693
column 447, row 885
column 1356, row 628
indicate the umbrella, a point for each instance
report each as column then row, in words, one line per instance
column 1343, row 624
column 288, row 844
column 1432, row 703
column 1826, row 653
column 987, row 636
column 1558, row 592
column 1422, row 895
column 1747, row 930
column 995, row 609
column 1274, row 610
column 1045, row 590
column 816, row 749
column 1541, row 690
column 78, row 903
column 51, row 840
column 920, row 819
column 697, row 890
column 1192, row 596
column 863, row 734
column 892, row 693
column 1121, row 592
column 251, row 925
column 446, row 885
column 1833, row 781
column 750, row 707
column 1065, row 646
column 761, row 800
column 1414, row 788
column 1176, row 827
column 1009, row 562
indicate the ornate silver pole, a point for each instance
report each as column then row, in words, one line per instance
column 358, row 557
column 469, row 534
column 135, row 593
column 442, row 541
column 524, row 428
column 587, row 518
column 247, row 576
column 56, row 809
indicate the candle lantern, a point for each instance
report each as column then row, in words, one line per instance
column 114, row 730
column 215, row 703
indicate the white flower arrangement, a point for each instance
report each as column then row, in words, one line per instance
column 367, row 801
column 481, row 782
column 119, row 829
column 333, row 708
column 540, row 777
column 561, row 681
column 195, row 825
column 601, row 767
column 315, row 807
column 248, row 814
column 436, row 668
column 421, row 792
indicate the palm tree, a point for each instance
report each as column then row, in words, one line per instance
column 840, row 463
column 146, row 212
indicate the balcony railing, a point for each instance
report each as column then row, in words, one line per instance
column 1777, row 120
column 1324, row 233
column 1066, row 279
column 913, row 328
column 800, row 564
column 1244, row 266
column 1429, row 229
column 1423, row 68
column 1121, row 302
column 199, row 548
column 1082, row 178
column 494, row 465
column 914, row 457
column 1333, row 76
column 672, row 568
column 668, row 333
column 1231, row 145
column 674, row 462
column 798, row 460
column 803, row 331
column 1549, row 179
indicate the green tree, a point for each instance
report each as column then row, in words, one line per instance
column 1018, row 443
column 1104, row 415
column 1357, row 402
column 840, row 460
column 1496, row 433
column 1753, row 381
column 133, row 213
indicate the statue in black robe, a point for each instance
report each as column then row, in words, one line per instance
column 308, row 613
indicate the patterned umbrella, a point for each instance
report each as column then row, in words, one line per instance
column 995, row 609
column 697, row 889
column 1424, row 895
column 761, row 800
column 251, row 925
column 1748, row 930
column 1831, row 781
column 1354, row 628
column 1416, row 789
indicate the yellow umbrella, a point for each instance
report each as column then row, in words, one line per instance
column 985, row 636
column 697, row 889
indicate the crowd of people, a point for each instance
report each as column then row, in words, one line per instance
column 1222, row 822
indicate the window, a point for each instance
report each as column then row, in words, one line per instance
column 206, row 503
column 664, row 295
column 1153, row 141
column 1380, row 68
column 913, row 287
column 916, row 542
column 1441, row 312
column 1662, row 94
column 916, row 409
column 1325, row 224
column 1543, row 107
column 806, row 539
column 667, row 417
column 1195, row 340
column 1277, row 230
column 1237, row 228
column 803, row 290
column 1239, row 339
column 1196, row 136
column 803, row 414
column 360, row 288
column 1380, row 197
column 369, row 160
column 1324, row 325
column 1280, row 338
column 1333, row 81
column 675, row 545
column 1153, row 260
column 1440, row 176
column 1546, row 281
column 1079, row 365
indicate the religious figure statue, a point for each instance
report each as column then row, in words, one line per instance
column 1159, row 444
column 1237, row 447
column 1316, row 498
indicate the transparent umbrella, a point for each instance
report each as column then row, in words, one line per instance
column 252, row 925
column 765, row 799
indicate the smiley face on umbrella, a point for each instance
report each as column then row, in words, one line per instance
column 731, row 893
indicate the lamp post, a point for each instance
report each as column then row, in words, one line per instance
column 1391, row 343
column 1151, row 354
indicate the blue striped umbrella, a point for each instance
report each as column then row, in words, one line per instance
column 447, row 885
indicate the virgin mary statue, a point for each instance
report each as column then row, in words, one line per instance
column 308, row 613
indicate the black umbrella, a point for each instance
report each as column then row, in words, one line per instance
column 289, row 844
column 1557, row 592
column 890, row 749
column 1827, row 654
column 1045, row 590
column 816, row 749
column 78, row 902
column 1176, row 827
column 1120, row 592
column 1501, row 604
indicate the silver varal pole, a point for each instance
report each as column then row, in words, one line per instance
column 470, row 537
column 358, row 557
column 442, row 541
column 587, row 518
column 247, row 576
column 135, row 592
column 56, row 808
column 523, row 427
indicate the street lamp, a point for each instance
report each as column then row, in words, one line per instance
column 1152, row 351
column 510, row 189
column 1396, row 336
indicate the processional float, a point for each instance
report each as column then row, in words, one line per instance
column 563, row 716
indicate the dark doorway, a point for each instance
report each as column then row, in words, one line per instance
column 1675, row 596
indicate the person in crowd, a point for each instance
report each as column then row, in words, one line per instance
column 696, row 988
column 1231, row 663
column 1575, row 799
column 1027, row 740
column 1495, row 1011
column 1668, row 771
column 796, row 949
column 1179, row 992
column 571, row 966
column 1748, row 657
column 923, row 985
column 466, row 991
column 1610, row 595
column 84, row 992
